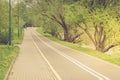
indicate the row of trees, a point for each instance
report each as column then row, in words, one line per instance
column 77, row 21
column 18, row 19
column 71, row 20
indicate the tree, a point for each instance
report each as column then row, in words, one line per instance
column 98, row 18
column 55, row 11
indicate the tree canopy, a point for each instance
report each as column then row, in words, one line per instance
column 72, row 20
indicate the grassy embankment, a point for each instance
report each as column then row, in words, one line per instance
column 8, row 54
column 115, row 59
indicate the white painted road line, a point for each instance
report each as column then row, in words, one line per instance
column 76, row 62
column 53, row 70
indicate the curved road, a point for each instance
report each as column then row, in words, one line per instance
column 58, row 62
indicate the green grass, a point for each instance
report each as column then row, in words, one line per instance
column 7, row 54
column 16, row 39
column 115, row 59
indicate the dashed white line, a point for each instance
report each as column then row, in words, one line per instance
column 76, row 62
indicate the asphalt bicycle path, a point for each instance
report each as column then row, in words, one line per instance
column 43, row 59
column 30, row 64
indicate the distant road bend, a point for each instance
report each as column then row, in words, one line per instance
column 60, row 62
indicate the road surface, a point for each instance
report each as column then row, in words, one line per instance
column 43, row 59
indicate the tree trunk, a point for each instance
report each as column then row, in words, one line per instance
column 66, row 36
column 61, row 21
column 100, row 47
column 98, row 38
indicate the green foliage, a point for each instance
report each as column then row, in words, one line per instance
column 99, row 19
column 74, row 13
column 17, row 20
column 3, row 21
column 95, row 14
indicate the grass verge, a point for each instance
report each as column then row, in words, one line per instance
column 115, row 59
column 17, row 39
column 7, row 54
